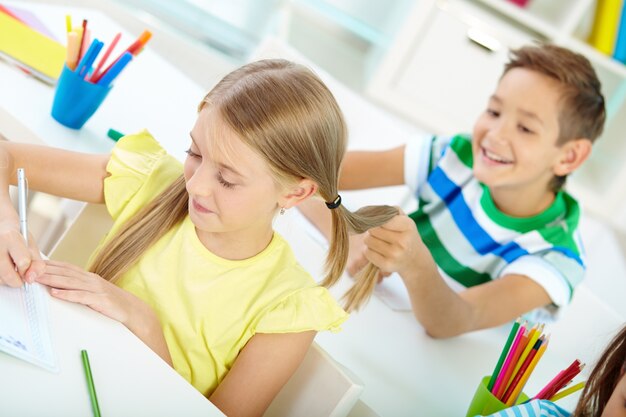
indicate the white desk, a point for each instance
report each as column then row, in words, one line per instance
column 407, row 373
column 130, row 379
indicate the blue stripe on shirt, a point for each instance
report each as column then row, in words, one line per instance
column 480, row 240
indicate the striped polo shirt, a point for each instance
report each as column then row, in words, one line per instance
column 473, row 242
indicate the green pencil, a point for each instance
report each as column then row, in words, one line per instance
column 496, row 371
column 90, row 385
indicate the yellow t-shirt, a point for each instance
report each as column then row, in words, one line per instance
column 209, row 307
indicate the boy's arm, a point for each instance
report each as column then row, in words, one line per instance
column 397, row 247
column 264, row 365
column 369, row 169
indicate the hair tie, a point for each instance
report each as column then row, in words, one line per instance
column 335, row 203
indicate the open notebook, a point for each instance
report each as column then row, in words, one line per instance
column 24, row 325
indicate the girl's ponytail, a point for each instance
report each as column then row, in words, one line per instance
column 345, row 222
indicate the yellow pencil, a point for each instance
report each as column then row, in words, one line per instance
column 534, row 335
column 68, row 23
column 520, row 386
column 568, row 391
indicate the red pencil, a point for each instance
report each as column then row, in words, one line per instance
column 558, row 380
column 82, row 40
column 134, row 49
column 96, row 72
column 565, row 379
column 521, row 370
column 509, row 370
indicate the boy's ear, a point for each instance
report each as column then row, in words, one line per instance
column 574, row 153
column 294, row 195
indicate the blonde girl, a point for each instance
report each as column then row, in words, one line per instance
column 191, row 265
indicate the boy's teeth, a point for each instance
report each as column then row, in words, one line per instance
column 495, row 157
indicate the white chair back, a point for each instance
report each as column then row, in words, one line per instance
column 320, row 387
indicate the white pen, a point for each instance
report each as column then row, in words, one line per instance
column 21, row 202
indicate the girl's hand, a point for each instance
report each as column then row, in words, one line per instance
column 397, row 247
column 18, row 263
column 71, row 283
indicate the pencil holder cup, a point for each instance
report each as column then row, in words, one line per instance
column 485, row 403
column 76, row 100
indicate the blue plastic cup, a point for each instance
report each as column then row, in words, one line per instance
column 75, row 99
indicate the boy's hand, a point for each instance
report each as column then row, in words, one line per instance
column 18, row 263
column 395, row 246
column 357, row 259
column 356, row 254
column 72, row 283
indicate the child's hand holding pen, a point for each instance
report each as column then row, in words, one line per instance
column 20, row 260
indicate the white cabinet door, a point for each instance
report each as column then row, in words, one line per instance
column 444, row 64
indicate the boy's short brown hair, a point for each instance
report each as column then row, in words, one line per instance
column 582, row 112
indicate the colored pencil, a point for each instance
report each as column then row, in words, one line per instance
column 509, row 363
column 508, row 373
column 520, row 385
column 96, row 72
column 133, row 49
column 568, row 391
column 90, row 385
column 72, row 50
column 559, row 379
column 565, row 379
column 505, row 350
column 535, row 332
column 517, row 376
column 115, row 70
column 82, row 40
column 68, row 23
column 90, row 56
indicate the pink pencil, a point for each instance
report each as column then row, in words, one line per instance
column 96, row 72
column 508, row 360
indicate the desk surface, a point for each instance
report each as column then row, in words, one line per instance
column 130, row 379
column 407, row 373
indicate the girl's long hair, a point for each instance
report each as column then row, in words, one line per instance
column 286, row 114
column 603, row 379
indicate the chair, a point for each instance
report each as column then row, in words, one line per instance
column 320, row 387
column 83, row 235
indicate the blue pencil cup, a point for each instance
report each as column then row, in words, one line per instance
column 75, row 99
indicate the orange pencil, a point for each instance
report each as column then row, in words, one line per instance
column 532, row 338
column 522, row 382
column 72, row 50
column 508, row 375
column 520, row 372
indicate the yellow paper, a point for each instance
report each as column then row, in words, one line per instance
column 43, row 56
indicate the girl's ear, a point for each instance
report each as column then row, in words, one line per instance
column 574, row 153
column 294, row 195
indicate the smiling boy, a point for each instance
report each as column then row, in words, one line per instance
column 492, row 215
